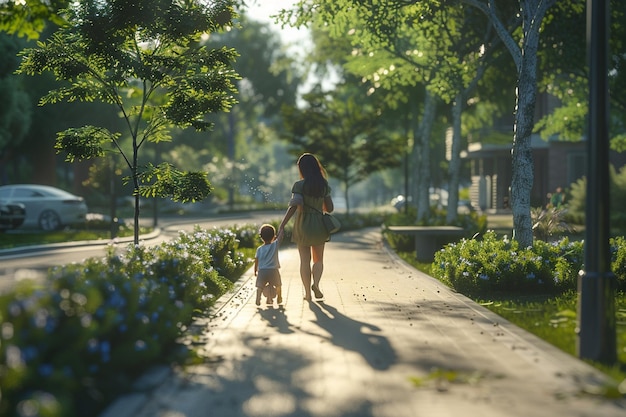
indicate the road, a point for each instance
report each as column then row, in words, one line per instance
column 33, row 263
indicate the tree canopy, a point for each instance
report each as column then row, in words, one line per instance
column 344, row 130
column 28, row 18
column 145, row 59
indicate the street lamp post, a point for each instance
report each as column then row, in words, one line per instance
column 596, row 283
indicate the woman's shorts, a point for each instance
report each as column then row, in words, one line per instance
column 268, row 275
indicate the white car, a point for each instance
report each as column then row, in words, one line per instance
column 47, row 208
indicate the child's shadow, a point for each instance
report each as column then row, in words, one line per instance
column 276, row 317
column 348, row 333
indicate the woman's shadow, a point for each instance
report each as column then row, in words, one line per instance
column 349, row 334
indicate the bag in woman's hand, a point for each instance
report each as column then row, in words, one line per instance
column 331, row 223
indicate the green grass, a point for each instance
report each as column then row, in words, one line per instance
column 550, row 318
column 14, row 239
column 554, row 320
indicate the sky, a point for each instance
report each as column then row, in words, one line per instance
column 262, row 10
column 297, row 40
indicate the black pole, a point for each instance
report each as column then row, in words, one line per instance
column 596, row 283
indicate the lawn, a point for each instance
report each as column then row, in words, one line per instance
column 14, row 239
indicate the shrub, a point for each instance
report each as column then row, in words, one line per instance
column 71, row 346
column 577, row 202
column 219, row 247
column 618, row 261
column 356, row 221
column 550, row 223
column 247, row 235
column 491, row 264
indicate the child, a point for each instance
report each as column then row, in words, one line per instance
column 266, row 266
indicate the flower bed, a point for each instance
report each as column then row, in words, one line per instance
column 69, row 347
column 490, row 264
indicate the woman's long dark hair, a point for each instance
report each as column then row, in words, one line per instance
column 314, row 175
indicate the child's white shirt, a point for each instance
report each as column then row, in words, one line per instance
column 268, row 256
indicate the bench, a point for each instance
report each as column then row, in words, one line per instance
column 429, row 239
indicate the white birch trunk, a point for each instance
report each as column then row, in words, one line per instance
column 523, row 166
column 522, row 157
column 524, row 54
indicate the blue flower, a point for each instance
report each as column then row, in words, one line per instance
column 45, row 369
column 29, row 353
column 105, row 351
column 51, row 325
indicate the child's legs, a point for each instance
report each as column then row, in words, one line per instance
column 261, row 281
column 277, row 282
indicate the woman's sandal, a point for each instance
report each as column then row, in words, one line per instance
column 318, row 293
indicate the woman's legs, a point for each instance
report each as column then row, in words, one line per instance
column 306, row 271
column 318, row 268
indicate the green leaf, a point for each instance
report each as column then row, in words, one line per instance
column 83, row 143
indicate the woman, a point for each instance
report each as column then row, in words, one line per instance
column 309, row 199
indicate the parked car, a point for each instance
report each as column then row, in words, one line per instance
column 47, row 208
column 12, row 215
column 438, row 198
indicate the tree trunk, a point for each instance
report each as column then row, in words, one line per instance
column 524, row 55
column 135, row 179
column 421, row 150
column 523, row 167
column 454, row 169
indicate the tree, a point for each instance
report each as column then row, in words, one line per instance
column 28, row 18
column 518, row 26
column 566, row 75
column 521, row 38
column 144, row 58
column 384, row 54
column 268, row 81
column 344, row 131
column 15, row 110
column 399, row 46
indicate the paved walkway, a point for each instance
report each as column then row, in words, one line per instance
column 381, row 327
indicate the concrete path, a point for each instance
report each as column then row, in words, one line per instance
column 379, row 345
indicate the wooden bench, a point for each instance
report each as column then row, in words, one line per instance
column 429, row 239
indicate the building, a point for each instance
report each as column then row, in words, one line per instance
column 557, row 164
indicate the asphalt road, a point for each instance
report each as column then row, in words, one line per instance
column 33, row 262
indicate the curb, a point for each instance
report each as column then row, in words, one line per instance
column 65, row 245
